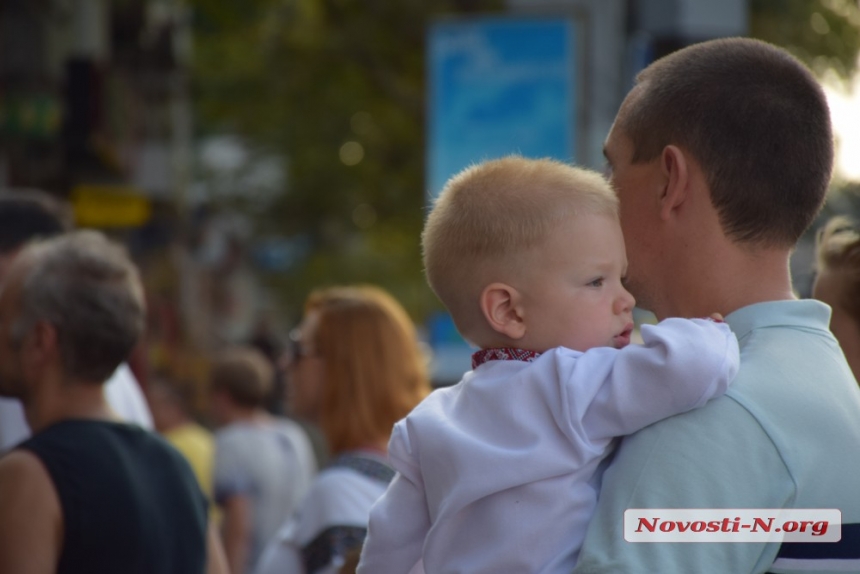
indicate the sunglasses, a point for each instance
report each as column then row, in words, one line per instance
column 297, row 352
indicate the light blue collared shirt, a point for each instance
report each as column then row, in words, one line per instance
column 786, row 434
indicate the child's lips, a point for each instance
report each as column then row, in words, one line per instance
column 622, row 339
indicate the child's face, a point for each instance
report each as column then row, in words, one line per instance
column 573, row 296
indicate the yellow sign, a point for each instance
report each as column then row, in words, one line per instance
column 109, row 206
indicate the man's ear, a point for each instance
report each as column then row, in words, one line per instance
column 500, row 304
column 40, row 346
column 675, row 168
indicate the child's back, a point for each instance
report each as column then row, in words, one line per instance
column 499, row 473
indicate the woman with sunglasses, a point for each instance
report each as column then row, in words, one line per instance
column 356, row 369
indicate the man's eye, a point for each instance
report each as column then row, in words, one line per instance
column 596, row 283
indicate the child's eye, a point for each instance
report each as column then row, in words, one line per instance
column 596, row 283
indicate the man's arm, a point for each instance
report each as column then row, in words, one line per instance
column 714, row 457
column 216, row 561
column 31, row 529
column 237, row 531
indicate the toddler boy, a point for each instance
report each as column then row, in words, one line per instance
column 500, row 473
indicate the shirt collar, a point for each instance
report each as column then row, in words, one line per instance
column 796, row 313
column 503, row 354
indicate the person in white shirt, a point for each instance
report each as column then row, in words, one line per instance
column 500, row 473
column 264, row 464
column 24, row 216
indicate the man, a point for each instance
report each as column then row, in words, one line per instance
column 25, row 216
column 721, row 156
column 171, row 414
column 263, row 464
column 86, row 493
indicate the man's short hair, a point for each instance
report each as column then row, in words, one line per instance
column 30, row 214
column 490, row 213
column 244, row 374
column 757, row 122
column 87, row 287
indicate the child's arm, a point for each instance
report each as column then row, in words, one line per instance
column 683, row 364
column 399, row 520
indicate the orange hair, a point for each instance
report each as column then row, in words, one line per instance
column 375, row 372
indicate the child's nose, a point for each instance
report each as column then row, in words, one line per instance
column 625, row 302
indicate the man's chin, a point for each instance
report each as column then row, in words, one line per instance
column 8, row 391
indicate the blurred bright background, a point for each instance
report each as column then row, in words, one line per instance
column 248, row 151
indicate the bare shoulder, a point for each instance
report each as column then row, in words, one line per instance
column 30, row 515
column 21, row 463
column 22, row 474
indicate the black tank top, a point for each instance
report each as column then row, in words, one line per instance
column 130, row 502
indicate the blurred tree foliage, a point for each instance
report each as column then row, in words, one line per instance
column 823, row 33
column 336, row 88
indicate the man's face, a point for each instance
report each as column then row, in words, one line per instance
column 12, row 382
column 637, row 186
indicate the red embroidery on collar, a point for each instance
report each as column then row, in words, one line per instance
column 507, row 354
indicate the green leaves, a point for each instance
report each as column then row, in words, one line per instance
column 336, row 87
column 823, row 33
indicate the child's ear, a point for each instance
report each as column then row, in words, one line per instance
column 500, row 304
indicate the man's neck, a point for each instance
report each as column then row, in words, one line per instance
column 58, row 401
column 239, row 414
column 737, row 279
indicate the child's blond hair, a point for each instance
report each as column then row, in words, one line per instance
column 491, row 212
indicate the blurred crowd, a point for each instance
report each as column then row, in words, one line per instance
column 283, row 461
column 285, row 493
column 292, row 494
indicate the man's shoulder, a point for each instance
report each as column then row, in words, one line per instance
column 26, row 484
column 20, row 465
column 723, row 417
column 290, row 429
column 30, row 514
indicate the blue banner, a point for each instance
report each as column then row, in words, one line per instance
column 499, row 86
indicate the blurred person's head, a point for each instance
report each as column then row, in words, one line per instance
column 721, row 152
column 169, row 403
column 240, row 381
column 838, row 284
column 28, row 215
column 529, row 253
column 71, row 307
column 357, row 366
